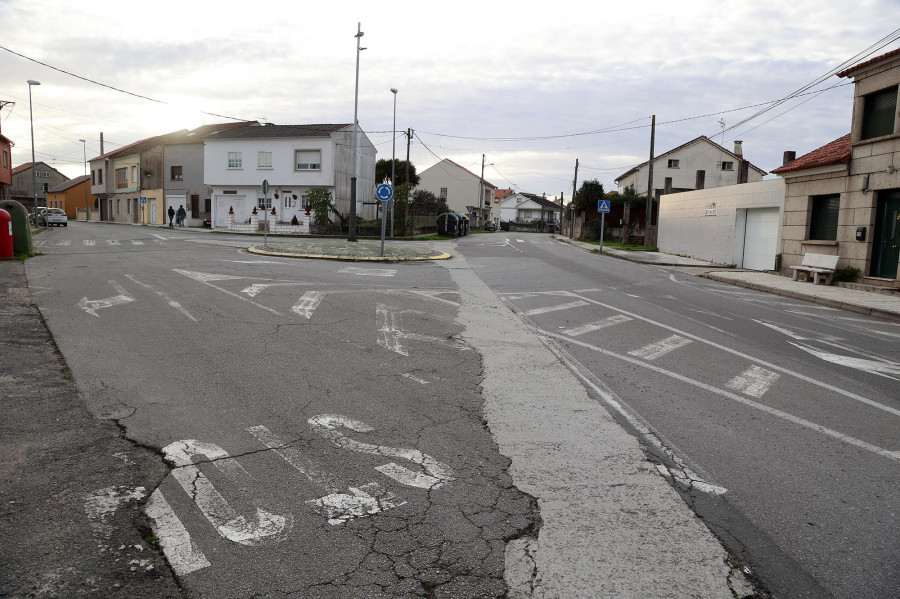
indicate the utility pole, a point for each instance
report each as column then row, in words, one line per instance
column 649, row 215
column 409, row 134
column 572, row 212
column 480, row 203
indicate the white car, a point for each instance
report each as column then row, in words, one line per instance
column 54, row 216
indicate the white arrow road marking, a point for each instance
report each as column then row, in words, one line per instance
column 182, row 552
column 307, row 304
column 205, row 278
column 596, row 326
column 556, row 308
column 754, row 381
column 169, row 301
column 884, row 368
column 327, row 425
column 390, row 334
column 371, row 272
column 220, row 514
column 660, row 348
column 91, row 306
column 337, row 506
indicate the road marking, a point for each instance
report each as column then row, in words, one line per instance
column 307, row 304
column 439, row 474
column 169, row 301
column 40, row 242
column 89, row 242
column 251, row 261
column 136, row 242
column 709, row 313
column 754, row 381
column 660, row 348
column 882, row 367
column 596, row 326
column 520, row 241
column 254, row 289
column 182, row 552
column 893, row 455
column 432, row 295
column 100, row 504
column 112, row 242
column 296, row 458
column 221, row 515
column 205, row 278
column 64, row 242
column 91, row 306
column 413, row 377
column 557, row 308
column 389, row 334
column 369, row 272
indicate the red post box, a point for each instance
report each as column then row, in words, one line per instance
column 6, row 235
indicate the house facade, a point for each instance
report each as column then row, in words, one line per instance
column 293, row 159
column 5, row 165
column 527, row 207
column 25, row 175
column 699, row 164
column 72, row 196
column 464, row 191
column 122, row 177
column 844, row 198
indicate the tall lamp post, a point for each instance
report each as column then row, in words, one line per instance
column 393, row 160
column 352, row 229
column 84, row 147
column 33, row 165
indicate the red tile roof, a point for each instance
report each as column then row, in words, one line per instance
column 21, row 167
column 856, row 67
column 836, row 152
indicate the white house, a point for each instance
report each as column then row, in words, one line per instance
column 526, row 207
column 464, row 191
column 293, row 159
column 698, row 164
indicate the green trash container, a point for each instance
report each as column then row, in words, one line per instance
column 21, row 227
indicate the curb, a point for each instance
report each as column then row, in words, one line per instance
column 266, row 252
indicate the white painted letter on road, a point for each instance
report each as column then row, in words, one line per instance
column 91, row 306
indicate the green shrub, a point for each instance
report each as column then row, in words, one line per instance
column 294, row 220
column 845, row 275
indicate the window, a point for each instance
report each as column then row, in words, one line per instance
column 5, row 159
column 134, row 174
column 878, row 113
column 47, row 175
column 264, row 203
column 235, row 160
column 177, row 174
column 121, row 178
column 673, row 164
column 265, row 160
column 99, row 176
column 711, row 209
column 93, row 177
column 727, row 166
column 308, row 160
column 443, row 195
column 37, row 174
column 823, row 223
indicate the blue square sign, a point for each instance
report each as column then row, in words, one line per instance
column 602, row 205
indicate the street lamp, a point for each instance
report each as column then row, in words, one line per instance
column 33, row 165
column 393, row 159
column 84, row 147
column 352, row 229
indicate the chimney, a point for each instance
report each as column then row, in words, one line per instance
column 789, row 156
column 738, row 150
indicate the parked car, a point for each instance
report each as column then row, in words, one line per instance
column 53, row 216
column 207, row 222
column 490, row 226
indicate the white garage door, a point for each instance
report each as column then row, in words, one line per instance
column 761, row 238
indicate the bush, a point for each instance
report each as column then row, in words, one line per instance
column 845, row 275
column 591, row 231
column 294, row 220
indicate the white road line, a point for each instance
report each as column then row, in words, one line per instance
column 221, row 515
column 413, row 377
column 251, row 261
column 368, row 272
column 112, row 242
column 893, row 455
column 159, row 236
column 307, row 304
column 734, row 352
column 39, row 242
column 882, row 367
column 754, row 381
column 205, row 278
column 91, row 306
column 520, row 241
column 169, row 300
column 182, row 552
column 64, row 242
column 389, row 333
column 88, row 242
column 709, row 313
column 557, row 308
column 137, row 242
column 296, row 458
column 596, row 326
column 660, row 348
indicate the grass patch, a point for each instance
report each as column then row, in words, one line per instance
column 631, row 247
column 433, row 238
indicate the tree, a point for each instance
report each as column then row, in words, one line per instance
column 320, row 204
column 425, row 202
column 588, row 195
column 383, row 171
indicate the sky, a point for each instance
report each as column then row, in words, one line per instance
column 530, row 86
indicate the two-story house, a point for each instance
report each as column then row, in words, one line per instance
column 73, row 197
column 5, row 165
column 844, row 198
column 122, row 177
column 30, row 176
column 293, row 159
column 464, row 191
column 526, row 207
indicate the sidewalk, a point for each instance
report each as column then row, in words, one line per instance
column 854, row 300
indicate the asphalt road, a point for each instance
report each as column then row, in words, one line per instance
column 776, row 418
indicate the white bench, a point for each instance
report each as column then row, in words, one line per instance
column 817, row 264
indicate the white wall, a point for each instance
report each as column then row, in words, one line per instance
column 685, row 229
column 216, row 171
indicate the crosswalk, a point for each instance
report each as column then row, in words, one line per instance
column 93, row 242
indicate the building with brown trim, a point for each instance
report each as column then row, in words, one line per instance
column 72, row 196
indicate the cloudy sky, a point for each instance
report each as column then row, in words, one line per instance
column 533, row 86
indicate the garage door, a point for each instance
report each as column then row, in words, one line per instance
column 761, row 238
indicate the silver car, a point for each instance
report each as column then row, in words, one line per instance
column 54, row 216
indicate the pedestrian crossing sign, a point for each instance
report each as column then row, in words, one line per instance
column 602, row 205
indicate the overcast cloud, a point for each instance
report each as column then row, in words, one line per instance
column 464, row 70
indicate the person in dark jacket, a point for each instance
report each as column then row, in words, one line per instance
column 171, row 216
column 181, row 215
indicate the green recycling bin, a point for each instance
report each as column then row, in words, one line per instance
column 20, row 226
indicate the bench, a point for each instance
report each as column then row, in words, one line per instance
column 817, row 264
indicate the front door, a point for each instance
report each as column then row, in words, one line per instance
column 886, row 252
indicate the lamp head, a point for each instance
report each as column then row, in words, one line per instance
column 83, row 140
column 33, row 82
column 394, row 90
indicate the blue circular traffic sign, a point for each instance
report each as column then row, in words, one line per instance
column 384, row 192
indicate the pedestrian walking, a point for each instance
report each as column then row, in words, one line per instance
column 181, row 215
column 171, row 216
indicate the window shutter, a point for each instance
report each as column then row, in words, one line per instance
column 824, row 222
column 878, row 114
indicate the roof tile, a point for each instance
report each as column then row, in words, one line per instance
column 836, row 152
